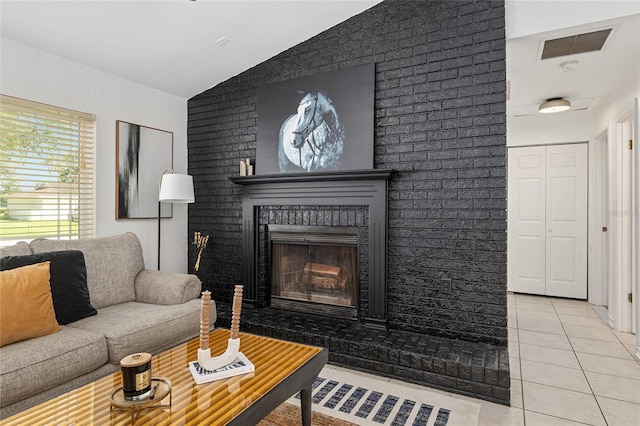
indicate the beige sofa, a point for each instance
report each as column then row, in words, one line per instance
column 138, row 310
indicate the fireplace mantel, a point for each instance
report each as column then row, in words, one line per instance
column 349, row 188
column 374, row 174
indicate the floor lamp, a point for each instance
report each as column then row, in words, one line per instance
column 174, row 188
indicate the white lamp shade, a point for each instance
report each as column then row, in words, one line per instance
column 175, row 188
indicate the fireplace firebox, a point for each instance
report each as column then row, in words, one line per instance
column 315, row 269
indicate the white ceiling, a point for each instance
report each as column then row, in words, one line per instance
column 597, row 74
column 170, row 45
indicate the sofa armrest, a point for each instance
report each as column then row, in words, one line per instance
column 163, row 288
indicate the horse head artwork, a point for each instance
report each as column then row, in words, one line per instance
column 313, row 138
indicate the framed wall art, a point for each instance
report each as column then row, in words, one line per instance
column 142, row 154
column 317, row 123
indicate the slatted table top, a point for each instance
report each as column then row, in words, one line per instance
column 216, row 403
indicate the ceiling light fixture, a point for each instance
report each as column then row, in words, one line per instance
column 554, row 105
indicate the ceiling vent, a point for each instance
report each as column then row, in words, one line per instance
column 581, row 43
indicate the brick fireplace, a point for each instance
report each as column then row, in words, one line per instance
column 366, row 189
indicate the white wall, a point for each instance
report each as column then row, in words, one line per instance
column 38, row 76
column 546, row 129
column 617, row 108
column 619, row 102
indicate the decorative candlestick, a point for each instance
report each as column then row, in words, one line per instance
column 233, row 345
column 205, row 319
column 237, row 309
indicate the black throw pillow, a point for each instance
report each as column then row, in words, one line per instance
column 68, row 282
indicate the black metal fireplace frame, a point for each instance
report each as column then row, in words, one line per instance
column 349, row 188
column 316, row 236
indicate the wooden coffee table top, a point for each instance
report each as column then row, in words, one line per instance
column 214, row 403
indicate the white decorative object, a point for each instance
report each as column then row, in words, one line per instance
column 240, row 366
column 233, row 346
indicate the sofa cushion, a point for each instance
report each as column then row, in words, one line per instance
column 26, row 305
column 140, row 327
column 33, row 366
column 112, row 265
column 68, row 282
column 18, row 249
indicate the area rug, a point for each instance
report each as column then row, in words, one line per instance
column 289, row 415
column 346, row 397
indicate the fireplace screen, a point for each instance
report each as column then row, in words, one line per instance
column 313, row 271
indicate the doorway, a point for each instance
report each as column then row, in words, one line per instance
column 622, row 218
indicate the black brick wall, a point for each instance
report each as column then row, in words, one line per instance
column 439, row 120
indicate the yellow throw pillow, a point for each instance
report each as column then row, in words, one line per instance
column 26, row 305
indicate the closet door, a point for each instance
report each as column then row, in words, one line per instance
column 547, row 220
column 566, row 218
column 526, row 220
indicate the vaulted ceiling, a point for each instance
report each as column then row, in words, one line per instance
column 181, row 47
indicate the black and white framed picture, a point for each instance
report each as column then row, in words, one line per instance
column 142, row 154
column 317, row 123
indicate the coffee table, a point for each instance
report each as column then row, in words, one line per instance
column 281, row 369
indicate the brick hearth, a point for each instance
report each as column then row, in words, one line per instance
column 473, row 369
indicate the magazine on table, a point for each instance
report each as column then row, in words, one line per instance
column 240, row 366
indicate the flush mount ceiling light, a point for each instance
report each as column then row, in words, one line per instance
column 554, row 105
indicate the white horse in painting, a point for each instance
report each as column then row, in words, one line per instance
column 313, row 138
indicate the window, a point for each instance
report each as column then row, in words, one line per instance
column 46, row 172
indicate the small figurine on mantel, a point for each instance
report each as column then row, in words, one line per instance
column 246, row 168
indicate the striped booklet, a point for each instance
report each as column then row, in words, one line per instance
column 240, row 366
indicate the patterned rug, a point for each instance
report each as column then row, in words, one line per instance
column 365, row 399
column 290, row 415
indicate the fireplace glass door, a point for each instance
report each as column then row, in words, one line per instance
column 315, row 272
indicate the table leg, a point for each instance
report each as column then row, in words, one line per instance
column 305, row 406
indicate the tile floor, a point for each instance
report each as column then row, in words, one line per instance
column 567, row 367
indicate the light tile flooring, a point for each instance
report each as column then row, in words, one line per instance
column 567, row 367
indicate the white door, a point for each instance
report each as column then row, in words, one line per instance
column 547, row 217
column 566, row 218
column 526, row 220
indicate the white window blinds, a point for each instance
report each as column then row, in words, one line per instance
column 46, row 172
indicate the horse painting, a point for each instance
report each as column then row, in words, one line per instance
column 313, row 138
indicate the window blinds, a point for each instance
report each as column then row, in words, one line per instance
column 46, row 172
